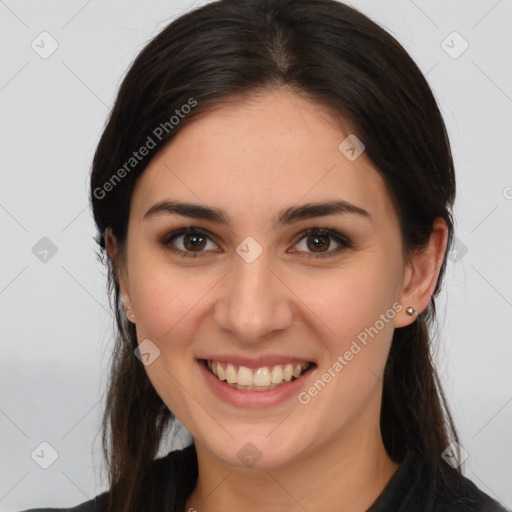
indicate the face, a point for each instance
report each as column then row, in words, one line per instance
column 263, row 282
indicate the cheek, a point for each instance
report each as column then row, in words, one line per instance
column 357, row 322
column 167, row 305
column 166, row 297
column 351, row 299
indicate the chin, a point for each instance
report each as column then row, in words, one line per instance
column 258, row 451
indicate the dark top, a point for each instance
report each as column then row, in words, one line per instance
column 408, row 490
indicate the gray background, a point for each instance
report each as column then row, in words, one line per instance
column 54, row 313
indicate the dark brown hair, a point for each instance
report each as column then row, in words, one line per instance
column 339, row 58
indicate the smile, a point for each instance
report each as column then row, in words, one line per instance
column 258, row 379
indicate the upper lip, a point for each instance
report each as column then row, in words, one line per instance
column 257, row 362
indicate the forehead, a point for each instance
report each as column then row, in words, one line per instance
column 259, row 155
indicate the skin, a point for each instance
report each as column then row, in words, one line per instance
column 253, row 158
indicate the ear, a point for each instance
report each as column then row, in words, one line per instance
column 120, row 272
column 421, row 274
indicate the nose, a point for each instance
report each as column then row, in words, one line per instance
column 254, row 302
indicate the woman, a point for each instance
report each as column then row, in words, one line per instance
column 273, row 191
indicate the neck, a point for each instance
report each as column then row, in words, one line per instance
column 343, row 474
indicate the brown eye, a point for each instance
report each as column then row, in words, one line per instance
column 193, row 242
column 319, row 241
column 188, row 242
column 314, row 243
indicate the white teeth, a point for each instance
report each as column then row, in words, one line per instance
column 244, row 377
column 288, row 373
column 230, row 373
column 277, row 375
column 220, row 372
column 261, row 378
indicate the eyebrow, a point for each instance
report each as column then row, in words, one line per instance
column 284, row 217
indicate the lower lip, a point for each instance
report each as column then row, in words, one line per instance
column 241, row 398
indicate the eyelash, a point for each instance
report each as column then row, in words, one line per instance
column 345, row 243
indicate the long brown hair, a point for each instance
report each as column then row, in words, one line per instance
column 340, row 58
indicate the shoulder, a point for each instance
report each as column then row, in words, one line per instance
column 414, row 488
column 464, row 496
column 162, row 476
column 97, row 504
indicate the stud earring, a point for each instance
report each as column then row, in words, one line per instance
column 411, row 311
column 131, row 315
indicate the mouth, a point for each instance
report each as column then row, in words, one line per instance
column 264, row 378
